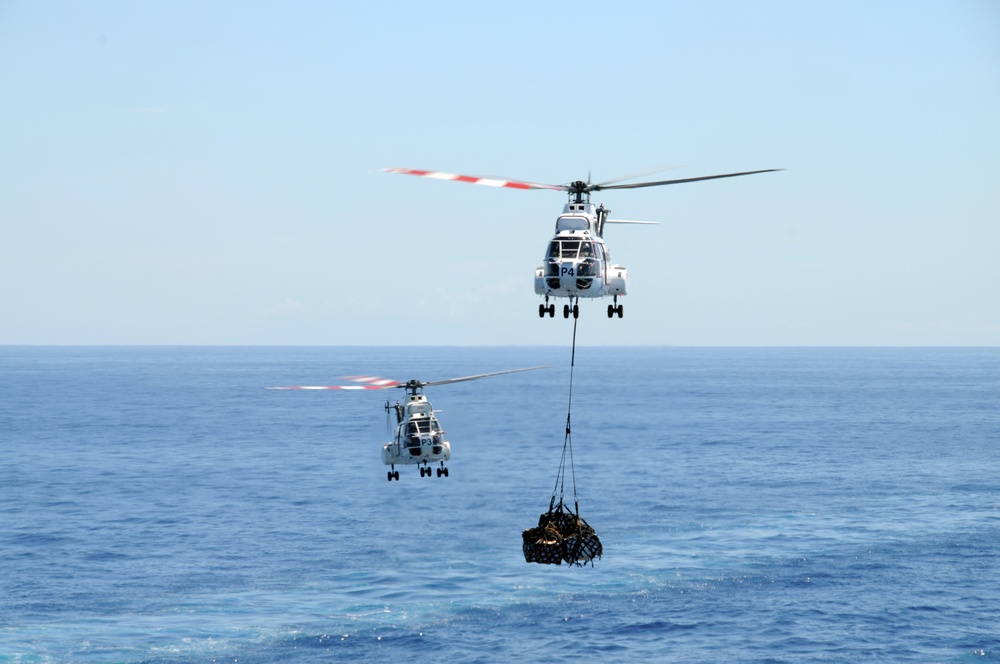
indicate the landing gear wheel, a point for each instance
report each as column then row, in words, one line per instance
column 542, row 310
column 565, row 311
column 576, row 311
column 616, row 309
column 388, row 475
column 395, row 475
column 552, row 311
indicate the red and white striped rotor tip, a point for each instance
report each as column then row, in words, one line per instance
column 374, row 383
column 473, row 179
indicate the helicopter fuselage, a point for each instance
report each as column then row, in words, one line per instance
column 577, row 262
column 419, row 437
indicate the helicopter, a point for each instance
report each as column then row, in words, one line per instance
column 577, row 261
column 419, row 438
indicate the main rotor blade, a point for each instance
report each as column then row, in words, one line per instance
column 381, row 383
column 376, row 383
column 637, row 174
column 333, row 387
column 485, row 375
column 636, row 185
column 474, row 179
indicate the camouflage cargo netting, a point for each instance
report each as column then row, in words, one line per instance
column 561, row 535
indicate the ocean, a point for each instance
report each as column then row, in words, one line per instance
column 158, row 505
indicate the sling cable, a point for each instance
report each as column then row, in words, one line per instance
column 561, row 534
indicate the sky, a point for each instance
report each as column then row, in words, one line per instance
column 209, row 173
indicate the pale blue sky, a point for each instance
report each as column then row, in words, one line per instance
column 206, row 173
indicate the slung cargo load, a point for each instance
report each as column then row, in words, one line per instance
column 561, row 535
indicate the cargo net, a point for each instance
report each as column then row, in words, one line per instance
column 562, row 534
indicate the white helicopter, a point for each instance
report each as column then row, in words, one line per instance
column 419, row 438
column 577, row 261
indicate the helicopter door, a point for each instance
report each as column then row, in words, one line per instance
column 437, row 435
column 552, row 258
column 413, row 438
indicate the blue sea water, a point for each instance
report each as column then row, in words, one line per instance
column 755, row 505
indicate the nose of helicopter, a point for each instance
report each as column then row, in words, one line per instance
column 575, row 275
column 567, row 273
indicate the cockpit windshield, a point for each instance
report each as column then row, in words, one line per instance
column 423, row 426
column 565, row 249
column 561, row 250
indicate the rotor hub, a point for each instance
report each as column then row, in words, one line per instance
column 413, row 386
column 577, row 190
